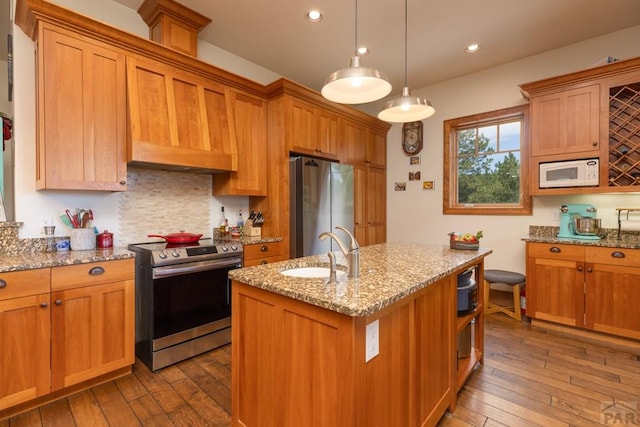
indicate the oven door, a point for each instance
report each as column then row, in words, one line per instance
column 191, row 296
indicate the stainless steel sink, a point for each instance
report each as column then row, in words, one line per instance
column 312, row 272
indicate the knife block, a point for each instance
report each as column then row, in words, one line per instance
column 251, row 230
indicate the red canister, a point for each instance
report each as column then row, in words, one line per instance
column 104, row 240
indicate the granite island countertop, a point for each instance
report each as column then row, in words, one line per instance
column 389, row 272
column 608, row 238
column 35, row 260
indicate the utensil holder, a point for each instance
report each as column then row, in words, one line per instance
column 83, row 239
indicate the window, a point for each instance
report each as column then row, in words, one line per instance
column 485, row 164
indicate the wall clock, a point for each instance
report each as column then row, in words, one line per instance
column 412, row 137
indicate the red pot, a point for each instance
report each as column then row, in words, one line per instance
column 178, row 238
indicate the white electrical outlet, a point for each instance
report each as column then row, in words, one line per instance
column 372, row 341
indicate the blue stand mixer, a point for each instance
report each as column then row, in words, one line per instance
column 578, row 221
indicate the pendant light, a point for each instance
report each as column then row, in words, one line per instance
column 356, row 84
column 406, row 108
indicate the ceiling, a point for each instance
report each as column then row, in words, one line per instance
column 276, row 35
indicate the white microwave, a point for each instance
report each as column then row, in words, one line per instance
column 570, row 173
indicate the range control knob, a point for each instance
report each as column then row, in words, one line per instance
column 175, row 253
column 163, row 254
column 234, row 247
column 224, row 248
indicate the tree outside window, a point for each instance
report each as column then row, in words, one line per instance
column 486, row 164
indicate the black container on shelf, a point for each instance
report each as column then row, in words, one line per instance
column 467, row 293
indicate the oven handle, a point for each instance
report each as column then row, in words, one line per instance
column 194, row 267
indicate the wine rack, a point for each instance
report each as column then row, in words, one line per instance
column 624, row 135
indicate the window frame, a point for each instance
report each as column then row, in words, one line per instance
column 450, row 164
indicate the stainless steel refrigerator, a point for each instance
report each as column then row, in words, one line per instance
column 321, row 198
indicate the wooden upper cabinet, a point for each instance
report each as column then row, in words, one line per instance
column 81, row 119
column 312, row 130
column 178, row 118
column 354, row 142
column 566, row 122
column 362, row 145
column 376, row 149
column 250, row 118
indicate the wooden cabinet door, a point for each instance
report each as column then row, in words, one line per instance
column 376, row 205
column 612, row 295
column 178, row 119
column 354, row 140
column 250, row 120
column 566, row 122
column 376, row 149
column 92, row 331
column 360, row 204
column 328, row 133
column 303, row 127
column 81, row 142
column 24, row 358
column 555, row 290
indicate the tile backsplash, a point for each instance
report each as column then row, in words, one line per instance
column 163, row 202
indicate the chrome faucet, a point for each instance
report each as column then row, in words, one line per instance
column 352, row 254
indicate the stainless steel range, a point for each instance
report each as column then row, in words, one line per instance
column 183, row 299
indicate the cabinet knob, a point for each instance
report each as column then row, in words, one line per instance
column 96, row 271
column 122, row 182
column 3, row 284
column 264, row 248
column 589, row 270
column 579, row 268
column 44, row 304
column 555, row 249
column 58, row 302
column 594, row 143
column 618, row 254
column 263, row 262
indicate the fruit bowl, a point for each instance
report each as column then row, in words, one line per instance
column 466, row 241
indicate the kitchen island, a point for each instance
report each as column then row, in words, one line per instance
column 377, row 350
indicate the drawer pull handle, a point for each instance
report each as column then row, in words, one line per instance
column 264, row 248
column 263, row 262
column 618, row 254
column 3, row 283
column 555, row 249
column 44, row 304
column 96, row 271
column 58, row 302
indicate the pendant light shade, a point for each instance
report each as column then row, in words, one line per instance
column 406, row 108
column 356, row 84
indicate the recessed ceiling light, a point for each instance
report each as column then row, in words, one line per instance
column 472, row 48
column 314, row 16
column 362, row 51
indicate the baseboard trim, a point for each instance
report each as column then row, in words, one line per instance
column 628, row 344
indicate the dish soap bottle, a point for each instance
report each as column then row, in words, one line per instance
column 223, row 222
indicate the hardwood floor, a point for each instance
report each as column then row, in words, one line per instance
column 531, row 377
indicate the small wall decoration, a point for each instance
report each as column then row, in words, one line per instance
column 412, row 137
column 414, row 160
column 427, row 185
column 414, row 176
column 401, row 186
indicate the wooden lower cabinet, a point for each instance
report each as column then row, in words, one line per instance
column 24, row 336
column 596, row 288
column 63, row 326
column 263, row 253
column 297, row 364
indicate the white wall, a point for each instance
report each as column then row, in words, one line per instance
column 480, row 92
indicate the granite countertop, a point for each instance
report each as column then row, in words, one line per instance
column 34, row 260
column 608, row 238
column 388, row 273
